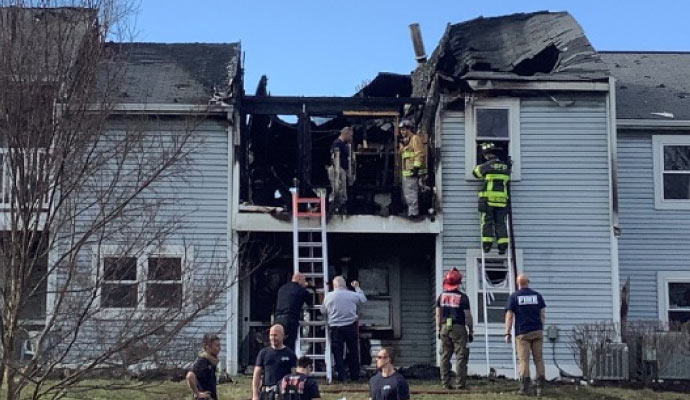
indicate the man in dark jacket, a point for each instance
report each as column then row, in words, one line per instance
column 493, row 198
column 291, row 297
column 299, row 386
column 201, row 380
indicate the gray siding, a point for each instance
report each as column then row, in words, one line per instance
column 197, row 200
column 560, row 212
column 416, row 318
column 652, row 240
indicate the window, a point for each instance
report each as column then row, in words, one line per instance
column 151, row 280
column 493, row 120
column 497, row 286
column 35, row 169
column 671, row 172
column 674, row 298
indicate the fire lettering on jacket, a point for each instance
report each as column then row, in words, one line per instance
column 450, row 300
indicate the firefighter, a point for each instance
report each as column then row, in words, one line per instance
column 493, row 198
column 455, row 328
column 413, row 165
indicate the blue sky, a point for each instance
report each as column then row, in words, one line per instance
column 310, row 47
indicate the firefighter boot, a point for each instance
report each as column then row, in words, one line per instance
column 524, row 387
column 540, row 385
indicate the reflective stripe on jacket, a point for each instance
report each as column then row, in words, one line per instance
column 496, row 175
column 412, row 154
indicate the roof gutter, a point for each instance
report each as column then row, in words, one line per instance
column 171, row 109
column 644, row 124
column 577, row 86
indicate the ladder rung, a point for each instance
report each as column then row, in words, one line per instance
column 306, row 229
column 310, row 259
column 308, row 213
column 312, row 275
column 317, row 373
column 313, row 340
column 309, row 200
column 316, row 356
column 312, row 323
column 310, row 244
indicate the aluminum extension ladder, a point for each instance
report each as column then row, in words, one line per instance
column 485, row 291
column 310, row 258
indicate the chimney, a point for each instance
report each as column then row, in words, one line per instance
column 417, row 43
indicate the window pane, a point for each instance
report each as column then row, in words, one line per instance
column 679, row 295
column 676, row 186
column 492, row 123
column 120, row 269
column 119, row 295
column 165, row 268
column 496, row 273
column 494, row 307
column 677, row 318
column 677, row 158
column 163, row 295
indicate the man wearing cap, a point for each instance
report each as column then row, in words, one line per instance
column 527, row 308
column 455, row 327
column 413, row 165
column 493, row 198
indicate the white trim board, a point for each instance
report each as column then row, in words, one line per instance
column 658, row 143
column 512, row 104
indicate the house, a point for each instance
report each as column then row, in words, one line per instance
column 127, row 215
column 533, row 84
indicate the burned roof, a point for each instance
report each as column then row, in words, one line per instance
column 651, row 85
column 535, row 46
column 387, row 84
column 185, row 73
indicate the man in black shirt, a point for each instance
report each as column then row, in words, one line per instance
column 273, row 362
column 455, row 328
column 299, row 386
column 339, row 170
column 201, row 380
column 291, row 297
column 527, row 309
column 387, row 384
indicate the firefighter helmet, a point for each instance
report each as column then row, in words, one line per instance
column 406, row 123
column 489, row 148
column 452, row 280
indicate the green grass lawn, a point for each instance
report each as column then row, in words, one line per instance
column 478, row 389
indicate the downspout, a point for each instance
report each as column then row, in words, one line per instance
column 232, row 331
column 613, row 202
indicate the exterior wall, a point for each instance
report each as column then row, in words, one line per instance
column 652, row 240
column 415, row 345
column 560, row 211
column 197, row 198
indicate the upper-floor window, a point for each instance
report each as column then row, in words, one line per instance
column 493, row 120
column 25, row 171
column 671, row 172
column 151, row 280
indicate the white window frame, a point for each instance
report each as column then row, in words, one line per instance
column 99, row 253
column 473, row 263
column 658, row 143
column 663, row 279
column 508, row 103
column 7, row 179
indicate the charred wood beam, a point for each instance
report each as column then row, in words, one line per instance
column 323, row 106
column 304, row 154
